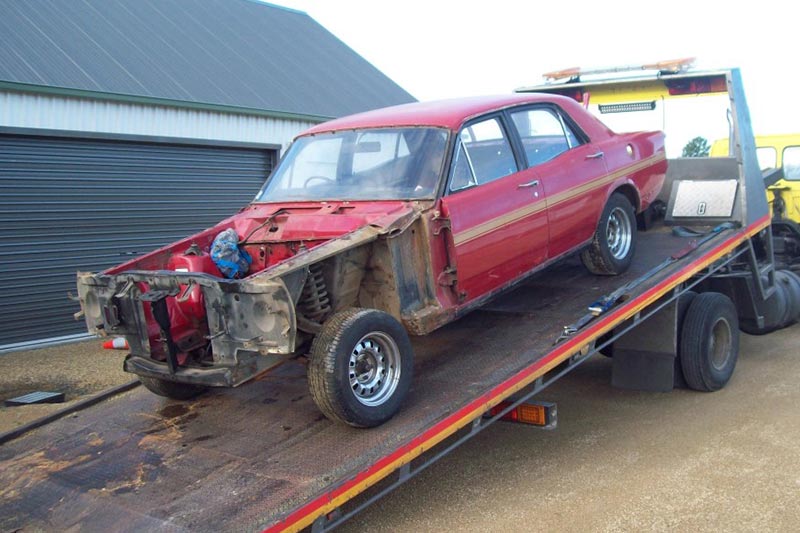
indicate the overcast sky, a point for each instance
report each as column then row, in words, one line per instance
column 441, row 49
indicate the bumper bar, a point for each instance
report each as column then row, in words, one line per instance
column 248, row 321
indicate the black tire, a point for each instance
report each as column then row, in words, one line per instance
column 709, row 342
column 614, row 242
column 379, row 345
column 792, row 283
column 776, row 311
column 781, row 309
column 171, row 389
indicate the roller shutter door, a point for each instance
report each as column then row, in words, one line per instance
column 84, row 204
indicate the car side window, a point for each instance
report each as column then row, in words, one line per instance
column 483, row 154
column 544, row 134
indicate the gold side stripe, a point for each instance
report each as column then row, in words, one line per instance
column 494, row 223
column 631, row 169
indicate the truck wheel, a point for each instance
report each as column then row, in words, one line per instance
column 360, row 367
column 171, row 389
column 614, row 243
column 782, row 309
column 709, row 343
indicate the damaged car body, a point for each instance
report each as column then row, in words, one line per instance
column 372, row 227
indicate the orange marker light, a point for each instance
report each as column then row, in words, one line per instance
column 536, row 414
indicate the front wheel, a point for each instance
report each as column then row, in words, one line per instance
column 614, row 242
column 360, row 367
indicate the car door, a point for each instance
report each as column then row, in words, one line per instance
column 569, row 167
column 497, row 213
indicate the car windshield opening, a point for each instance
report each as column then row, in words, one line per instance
column 368, row 164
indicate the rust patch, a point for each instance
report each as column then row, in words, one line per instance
column 136, row 483
column 173, row 410
column 95, row 440
column 160, row 445
column 19, row 474
column 428, row 319
column 165, row 431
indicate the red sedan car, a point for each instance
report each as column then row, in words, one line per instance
column 374, row 226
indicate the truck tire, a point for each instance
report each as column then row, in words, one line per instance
column 709, row 342
column 782, row 309
column 614, row 243
column 360, row 367
column 171, row 389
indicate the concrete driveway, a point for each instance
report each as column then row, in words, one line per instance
column 78, row 370
column 626, row 461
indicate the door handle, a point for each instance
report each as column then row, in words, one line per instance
column 598, row 155
column 534, row 183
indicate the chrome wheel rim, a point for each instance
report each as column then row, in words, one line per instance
column 618, row 233
column 720, row 343
column 374, row 368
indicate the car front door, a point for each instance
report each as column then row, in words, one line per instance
column 497, row 213
column 570, row 169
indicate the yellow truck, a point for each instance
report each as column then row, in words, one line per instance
column 776, row 152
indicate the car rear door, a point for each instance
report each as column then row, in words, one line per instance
column 570, row 168
column 497, row 213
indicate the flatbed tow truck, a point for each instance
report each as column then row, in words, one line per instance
column 261, row 457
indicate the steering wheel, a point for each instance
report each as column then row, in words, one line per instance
column 321, row 178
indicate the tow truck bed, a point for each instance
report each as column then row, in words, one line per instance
column 261, row 456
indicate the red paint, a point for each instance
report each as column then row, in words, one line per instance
column 492, row 258
column 278, row 232
column 450, row 114
column 284, row 227
column 499, row 231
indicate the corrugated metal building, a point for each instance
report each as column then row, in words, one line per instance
column 126, row 124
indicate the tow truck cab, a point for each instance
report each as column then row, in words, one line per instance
column 775, row 152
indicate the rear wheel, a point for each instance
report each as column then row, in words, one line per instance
column 361, row 367
column 614, row 242
column 781, row 309
column 171, row 389
column 709, row 343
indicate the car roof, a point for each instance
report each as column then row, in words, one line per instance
column 440, row 113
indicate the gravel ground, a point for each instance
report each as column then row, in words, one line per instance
column 78, row 370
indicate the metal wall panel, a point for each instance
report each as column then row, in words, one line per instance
column 52, row 112
column 82, row 204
